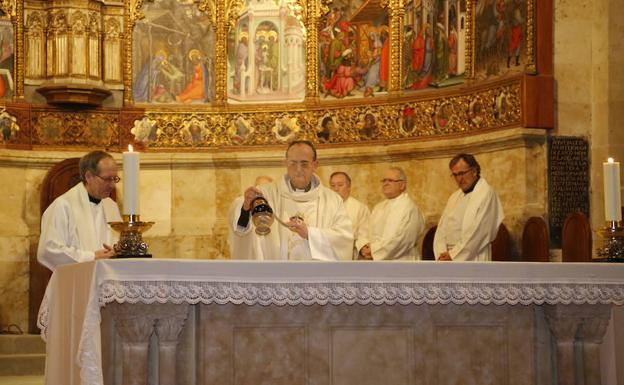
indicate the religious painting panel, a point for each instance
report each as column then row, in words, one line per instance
column 434, row 43
column 6, row 59
column 500, row 37
column 266, row 54
column 173, row 49
column 354, row 50
column 8, row 126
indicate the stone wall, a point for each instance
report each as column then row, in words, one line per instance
column 188, row 195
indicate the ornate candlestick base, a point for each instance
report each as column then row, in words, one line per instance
column 613, row 249
column 131, row 243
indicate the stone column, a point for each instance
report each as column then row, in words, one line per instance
column 587, row 324
column 135, row 324
column 170, row 320
column 590, row 333
column 564, row 325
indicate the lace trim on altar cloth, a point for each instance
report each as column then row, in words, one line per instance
column 360, row 293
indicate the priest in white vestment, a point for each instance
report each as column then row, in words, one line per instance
column 310, row 220
column 395, row 224
column 74, row 228
column 470, row 220
column 358, row 212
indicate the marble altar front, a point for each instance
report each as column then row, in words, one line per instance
column 247, row 322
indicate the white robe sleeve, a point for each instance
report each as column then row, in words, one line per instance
column 58, row 243
column 399, row 237
column 480, row 232
column 439, row 240
column 241, row 239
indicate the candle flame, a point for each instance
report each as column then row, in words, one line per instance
column 131, row 149
column 610, row 160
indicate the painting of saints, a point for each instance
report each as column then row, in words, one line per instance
column 419, row 71
column 327, row 128
column 197, row 88
column 516, row 38
column 408, row 121
column 168, row 63
column 341, row 84
column 384, row 65
column 452, row 48
column 441, row 51
column 354, row 50
column 499, row 34
column 242, row 53
column 367, row 125
column 6, row 59
column 274, row 52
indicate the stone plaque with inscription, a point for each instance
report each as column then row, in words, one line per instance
column 568, row 181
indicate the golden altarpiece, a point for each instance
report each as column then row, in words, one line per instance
column 209, row 74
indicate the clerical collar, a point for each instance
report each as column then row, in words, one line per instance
column 469, row 190
column 94, row 200
column 313, row 184
column 300, row 190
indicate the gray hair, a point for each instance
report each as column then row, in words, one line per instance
column 347, row 177
column 401, row 172
column 90, row 162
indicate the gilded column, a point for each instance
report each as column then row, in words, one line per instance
column 222, row 28
column 470, row 39
column 312, row 11
column 17, row 13
column 223, row 16
column 397, row 14
column 133, row 14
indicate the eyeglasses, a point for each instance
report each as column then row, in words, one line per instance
column 459, row 174
column 384, row 180
column 111, row 179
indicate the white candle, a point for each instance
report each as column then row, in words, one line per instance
column 131, row 182
column 612, row 199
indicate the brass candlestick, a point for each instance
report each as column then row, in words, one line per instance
column 613, row 248
column 131, row 243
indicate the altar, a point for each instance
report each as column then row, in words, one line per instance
column 246, row 322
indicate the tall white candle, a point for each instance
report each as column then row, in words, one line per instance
column 131, row 182
column 612, row 198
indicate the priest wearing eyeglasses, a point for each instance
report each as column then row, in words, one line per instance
column 472, row 215
column 311, row 222
column 74, row 228
column 395, row 224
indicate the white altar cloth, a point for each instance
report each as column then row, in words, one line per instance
column 70, row 313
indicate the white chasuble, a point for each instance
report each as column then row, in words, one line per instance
column 330, row 237
column 72, row 228
column 394, row 228
column 359, row 214
column 469, row 224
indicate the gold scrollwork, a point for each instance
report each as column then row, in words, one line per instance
column 499, row 106
column 9, row 7
column 75, row 129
